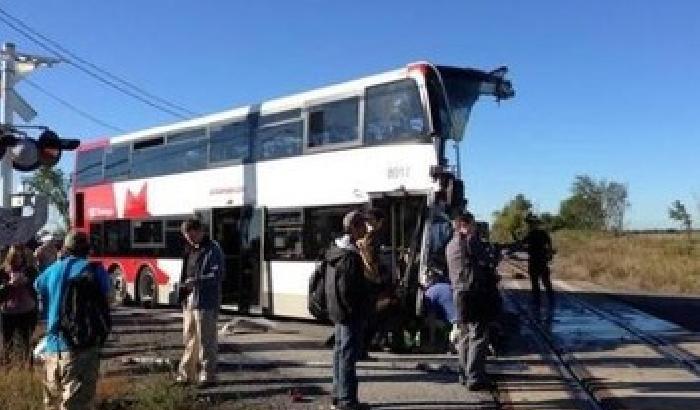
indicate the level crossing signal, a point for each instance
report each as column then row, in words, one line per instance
column 28, row 154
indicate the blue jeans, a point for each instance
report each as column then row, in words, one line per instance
column 348, row 342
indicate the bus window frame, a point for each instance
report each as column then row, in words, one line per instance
column 269, row 253
column 232, row 161
column 422, row 137
column 111, row 148
column 310, row 104
column 102, row 179
column 254, row 154
column 148, row 245
column 166, row 144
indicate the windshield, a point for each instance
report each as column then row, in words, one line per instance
column 462, row 87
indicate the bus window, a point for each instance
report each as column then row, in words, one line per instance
column 116, row 163
column 284, row 235
column 169, row 158
column 393, row 111
column 279, row 117
column 117, row 237
column 88, row 168
column 187, row 135
column 279, row 140
column 96, row 236
column 333, row 123
column 229, row 142
column 148, row 233
column 321, row 226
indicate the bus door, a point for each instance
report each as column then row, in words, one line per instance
column 238, row 230
column 402, row 233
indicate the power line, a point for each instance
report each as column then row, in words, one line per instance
column 62, row 53
column 94, row 67
column 71, row 106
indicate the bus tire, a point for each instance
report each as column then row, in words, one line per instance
column 118, row 295
column 146, row 288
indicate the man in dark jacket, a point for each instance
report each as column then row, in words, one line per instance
column 539, row 249
column 346, row 288
column 200, row 285
column 474, row 290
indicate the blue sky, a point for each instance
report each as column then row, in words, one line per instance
column 603, row 88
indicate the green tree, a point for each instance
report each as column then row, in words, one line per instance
column 509, row 223
column 678, row 213
column 594, row 204
column 581, row 212
column 52, row 182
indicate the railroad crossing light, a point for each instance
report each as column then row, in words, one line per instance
column 28, row 154
column 50, row 147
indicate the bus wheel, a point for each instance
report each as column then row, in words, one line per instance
column 147, row 294
column 119, row 295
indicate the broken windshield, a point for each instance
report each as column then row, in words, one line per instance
column 462, row 87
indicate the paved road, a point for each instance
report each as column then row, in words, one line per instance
column 263, row 365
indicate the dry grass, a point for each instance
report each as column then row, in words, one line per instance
column 21, row 389
column 650, row 262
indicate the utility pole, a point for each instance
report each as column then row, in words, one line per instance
column 13, row 67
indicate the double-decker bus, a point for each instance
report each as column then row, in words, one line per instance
column 273, row 180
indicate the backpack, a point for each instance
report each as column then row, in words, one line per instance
column 317, row 304
column 346, row 296
column 84, row 320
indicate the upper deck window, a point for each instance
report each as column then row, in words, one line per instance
column 117, row 162
column 279, row 135
column 169, row 159
column 393, row 111
column 333, row 123
column 88, row 168
column 187, row 135
column 229, row 141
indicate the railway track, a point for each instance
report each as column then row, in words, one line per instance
column 662, row 345
column 572, row 373
column 588, row 391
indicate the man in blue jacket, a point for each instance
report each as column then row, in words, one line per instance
column 70, row 380
column 200, row 283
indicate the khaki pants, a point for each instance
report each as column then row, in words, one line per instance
column 201, row 348
column 70, row 380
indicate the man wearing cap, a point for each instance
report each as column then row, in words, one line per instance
column 539, row 249
column 70, row 379
column 472, row 287
column 346, row 290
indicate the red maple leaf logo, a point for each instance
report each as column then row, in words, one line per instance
column 135, row 206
